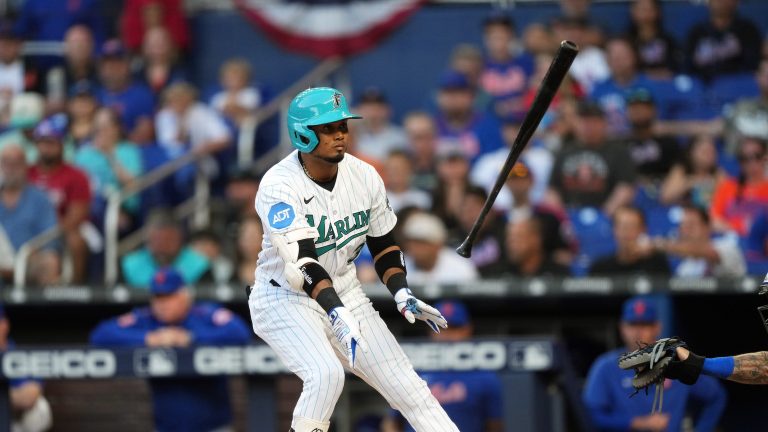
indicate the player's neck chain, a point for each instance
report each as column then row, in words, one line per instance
column 306, row 171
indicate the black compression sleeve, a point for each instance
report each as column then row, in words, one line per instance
column 307, row 249
column 378, row 244
column 396, row 282
column 328, row 299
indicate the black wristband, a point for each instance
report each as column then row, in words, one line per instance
column 328, row 299
column 396, row 282
column 687, row 371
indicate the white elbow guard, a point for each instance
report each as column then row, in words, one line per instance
column 287, row 245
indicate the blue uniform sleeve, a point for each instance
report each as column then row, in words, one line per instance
column 598, row 401
column 127, row 330
column 493, row 404
column 709, row 392
column 220, row 327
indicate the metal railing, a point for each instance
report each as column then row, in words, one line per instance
column 197, row 205
column 25, row 252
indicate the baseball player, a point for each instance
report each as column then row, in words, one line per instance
column 319, row 207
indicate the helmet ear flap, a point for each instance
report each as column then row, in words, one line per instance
column 303, row 138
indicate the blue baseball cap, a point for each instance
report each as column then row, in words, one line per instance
column 454, row 80
column 53, row 127
column 454, row 312
column 166, row 281
column 639, row 310
column 113, row 48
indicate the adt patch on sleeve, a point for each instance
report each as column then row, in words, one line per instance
column 281, row 215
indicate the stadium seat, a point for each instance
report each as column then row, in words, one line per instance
column 728, row 89
column 663, row 221
column 593, row 231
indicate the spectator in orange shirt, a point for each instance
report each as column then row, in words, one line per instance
column 737, row 202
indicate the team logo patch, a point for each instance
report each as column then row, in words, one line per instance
column 336, row 100
column 281, row 215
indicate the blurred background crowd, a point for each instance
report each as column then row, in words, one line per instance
column 651, row 159
column 134, row 133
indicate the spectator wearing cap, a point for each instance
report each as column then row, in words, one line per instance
column 508, row 69
column 592, row 171
column 468, row 60
column 653, row 155
column 174, row 320
column 558, row 242
column 166, row 247
column 459, row 125
column 608, row 388
column 472, row 399
column 421, row 130
column 748, row 116
column 81, row 109
column 376, row 135
column 726, row 43
column 111, row 163
column 185, row 124
column 26, row 111
column 634, row 252
column 26, row 212
column 398, row 172
column 31, row 411
column 134, row 101
column 67, row 188
column 488, row 255
column 525, row 250
column 16, row 74
column 625, row 77
column 427, row 258
column 537, row 157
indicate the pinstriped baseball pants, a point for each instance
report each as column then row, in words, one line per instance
column 299, row 331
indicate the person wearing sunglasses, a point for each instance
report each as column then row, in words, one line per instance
column 737, row 202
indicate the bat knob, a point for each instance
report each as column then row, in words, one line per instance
column 465, row 249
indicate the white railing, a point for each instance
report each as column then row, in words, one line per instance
column 26, row 250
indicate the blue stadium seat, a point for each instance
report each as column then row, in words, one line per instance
column 594, row 232
column 728, row 89
column 663, row 221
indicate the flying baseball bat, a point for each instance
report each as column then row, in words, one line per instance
column 557, row 70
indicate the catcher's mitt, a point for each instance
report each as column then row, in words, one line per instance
column 650, row 363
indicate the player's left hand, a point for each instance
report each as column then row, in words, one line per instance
column 412, row 309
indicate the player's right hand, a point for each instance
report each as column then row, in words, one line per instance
column 347, row 331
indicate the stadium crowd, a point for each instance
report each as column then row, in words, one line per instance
column 652, row 157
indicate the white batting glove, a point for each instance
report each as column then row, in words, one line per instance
column 347, row 331
column 413, row 309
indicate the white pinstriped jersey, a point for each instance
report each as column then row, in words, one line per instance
column 356, row 207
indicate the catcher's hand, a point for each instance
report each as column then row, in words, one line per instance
column 413, row 309
column 660, row 360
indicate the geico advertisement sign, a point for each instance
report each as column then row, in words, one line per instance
column 59, row 364
column 457, row 356
column 237, row 360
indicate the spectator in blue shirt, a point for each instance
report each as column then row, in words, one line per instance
column 31, row 410
column 472, row 399
column 174, row 320
column 608, row 388
column 165, row 248
column 25, row 213
column 134, row 101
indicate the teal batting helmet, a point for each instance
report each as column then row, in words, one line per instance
column 314, row 107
